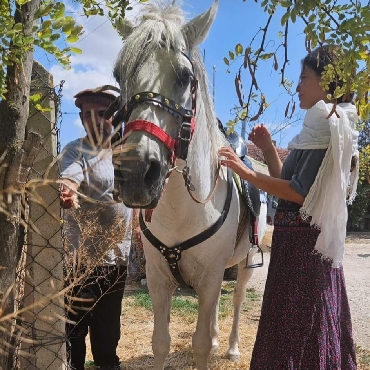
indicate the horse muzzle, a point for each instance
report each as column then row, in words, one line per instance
column 140, row 182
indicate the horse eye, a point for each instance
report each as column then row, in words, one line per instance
column 184, row 77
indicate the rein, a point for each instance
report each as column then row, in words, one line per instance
column 190, row 187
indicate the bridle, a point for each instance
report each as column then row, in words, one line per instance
column 178, row 146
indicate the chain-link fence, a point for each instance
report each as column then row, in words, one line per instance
column 34, row 318
column 40, row 334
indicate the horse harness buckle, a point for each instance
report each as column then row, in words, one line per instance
column 171, row 255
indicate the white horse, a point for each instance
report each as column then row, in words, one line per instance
column 169, row 162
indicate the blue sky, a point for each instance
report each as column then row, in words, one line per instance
column 237, row 21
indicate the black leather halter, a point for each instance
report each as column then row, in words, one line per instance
column 186, row 116
column 175, row 109
column 173, row 255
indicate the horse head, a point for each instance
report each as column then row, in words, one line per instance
column 157, row 73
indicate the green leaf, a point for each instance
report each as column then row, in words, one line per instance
column 77, row 30
column 286, row 4
column 91, row 12
column 68, row 24
column 293, row 15
column 266, row 56
column 35, row 97
column 59, row 10
column 239, row 49
column 231, row 55
column 18, row 27
column 285, row 18
column 55, row 37
column 226, row 61
column 72, row 38
column 76, row 50
column 44, row 10
column 28, row 40
column 50, row 48
column 10, row 34
column 58, row 24
column 46, row 24
column 43, row 34
column 309, row 28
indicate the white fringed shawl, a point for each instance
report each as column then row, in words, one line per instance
column 334, row 184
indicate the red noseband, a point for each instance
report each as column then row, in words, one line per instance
column 152, row 129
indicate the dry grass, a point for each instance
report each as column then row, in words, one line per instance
column 135, row 350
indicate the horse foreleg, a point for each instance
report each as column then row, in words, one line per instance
column 214, row 326
column 161, row 300
column 203, row 336
column 244, row 274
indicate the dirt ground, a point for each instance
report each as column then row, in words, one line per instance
column 357, row 274
column 137, row 323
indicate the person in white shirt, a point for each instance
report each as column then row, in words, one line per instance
column 97, row 232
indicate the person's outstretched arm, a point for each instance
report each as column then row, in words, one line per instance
column 272, row 185
column 261, row 138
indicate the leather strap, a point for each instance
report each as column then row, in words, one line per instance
column 173, row 255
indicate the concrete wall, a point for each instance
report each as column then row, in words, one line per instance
column 43, row 342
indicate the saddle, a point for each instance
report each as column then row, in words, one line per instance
column 248, row 191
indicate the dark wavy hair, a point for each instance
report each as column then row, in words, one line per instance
column 321, row 57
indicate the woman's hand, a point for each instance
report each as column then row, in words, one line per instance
column 261, row 137
column 230, row 159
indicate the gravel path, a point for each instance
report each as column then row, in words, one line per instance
column 357, row 273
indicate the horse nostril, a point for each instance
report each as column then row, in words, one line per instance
column 153, row 173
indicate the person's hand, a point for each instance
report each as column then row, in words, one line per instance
column 261, row 137
column 68, row 198
column 230, row 159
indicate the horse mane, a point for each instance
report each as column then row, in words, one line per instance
column 160, row 26
column 211, row 128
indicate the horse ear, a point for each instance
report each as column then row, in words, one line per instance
column 197, row 29
column 124, row 27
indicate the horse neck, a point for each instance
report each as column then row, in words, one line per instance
column 201, row 159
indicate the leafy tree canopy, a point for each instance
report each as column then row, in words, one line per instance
column 336, row 23
column 364, row 147
column 51, row 24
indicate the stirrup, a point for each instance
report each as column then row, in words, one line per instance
column 254, row 265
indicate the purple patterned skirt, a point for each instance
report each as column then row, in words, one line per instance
column 305, row 320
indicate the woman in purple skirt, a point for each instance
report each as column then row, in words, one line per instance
column 305, row 320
